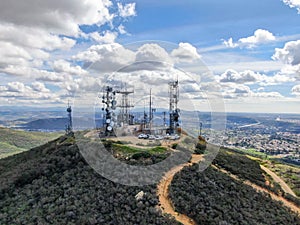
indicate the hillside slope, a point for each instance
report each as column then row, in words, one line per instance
column 52, row 184
column 215, row 197
column 15, row 141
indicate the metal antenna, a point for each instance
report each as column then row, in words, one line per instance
column 165, row 120
column 110, row 103
column 173, row 109
column 200, row 129
column 69, row 126
column 150, row 110
column 125, row 117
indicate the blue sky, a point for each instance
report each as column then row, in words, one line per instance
column 207, row 22
column 252, row 48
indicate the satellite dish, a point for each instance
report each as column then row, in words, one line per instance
column 109, row 128
column 113, row 104
column 108, row 120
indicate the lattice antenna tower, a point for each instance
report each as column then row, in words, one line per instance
column 173, row 109
column 110, row 103
column 69, row 126
column 151, row 110
column 125, row 117
column 165, row 119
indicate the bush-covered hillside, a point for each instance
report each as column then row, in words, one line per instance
column 246, row 169
column 52, row 184
column 211, row 197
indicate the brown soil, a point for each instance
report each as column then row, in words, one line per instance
column 285, row 202
column 163, row 192
column 277, row 179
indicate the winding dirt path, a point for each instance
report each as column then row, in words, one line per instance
column 285, row 202
column 163, row 192
column 285, row 187
column 277, row 179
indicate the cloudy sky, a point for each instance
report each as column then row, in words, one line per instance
column 247, row 51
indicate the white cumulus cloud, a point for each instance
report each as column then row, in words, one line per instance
column 185, row 53
column 106, row 57
column 247, row 76
column 251, row 77
column 127, row 10
column 62, row 66
column 260, row 37
column 241, row 91
column 40, row 87
column 106, row 38
column 152, row 52
column 59, row 17
column 290, row 55
column 31, row 31
column 296, row 90
column 293, row 4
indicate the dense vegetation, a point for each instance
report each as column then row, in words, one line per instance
column 246, row 169
column 15, row 141
column 211, row 197
column 288, row 172
column 52, row 184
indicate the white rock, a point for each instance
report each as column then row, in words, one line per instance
column 139, row 195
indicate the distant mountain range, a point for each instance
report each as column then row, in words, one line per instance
column 59, row 124
column 54, row 119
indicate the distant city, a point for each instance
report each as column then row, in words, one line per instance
column 275, row 135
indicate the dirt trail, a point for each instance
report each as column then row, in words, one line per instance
column 163, row 192
column 277, row 179
column 285, row 202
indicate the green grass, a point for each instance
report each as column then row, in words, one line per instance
column 157, row 149
column 290, row 174
column 132, row 150
column 8, row 150
column 252, row 152
column 16, row 141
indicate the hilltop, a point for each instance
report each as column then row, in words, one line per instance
column 53, row 184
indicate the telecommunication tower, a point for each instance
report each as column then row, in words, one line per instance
column 109, row 100
column 125, row 117
column 69, row 126
column 151, row 110
column 165, row 119
column 173, row 109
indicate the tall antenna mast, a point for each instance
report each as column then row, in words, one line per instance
column 145, row 117
column 173, row 109
column 150, row 110
column 125, row 116
column 69, row 126
column 110, row 103
column 165, row 120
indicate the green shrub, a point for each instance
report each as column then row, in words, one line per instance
column 140, row 155
column 174, row 145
